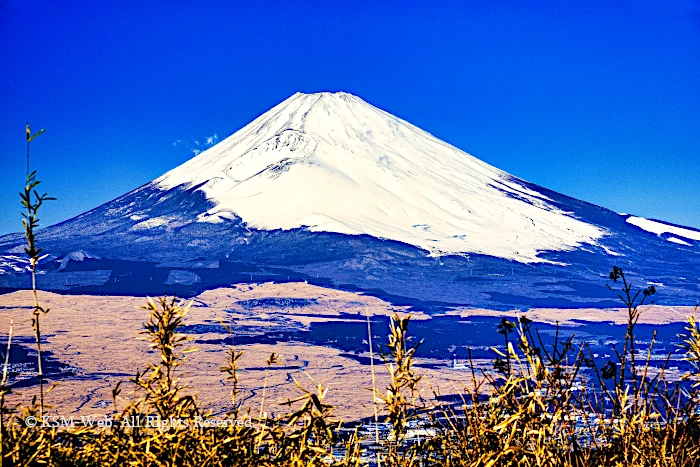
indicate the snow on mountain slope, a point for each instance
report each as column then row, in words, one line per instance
column 661, row 228
column 334, row 163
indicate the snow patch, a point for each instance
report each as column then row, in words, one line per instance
column 660, row 228
column 151, row 223
column 79, row 255
column 678, row 241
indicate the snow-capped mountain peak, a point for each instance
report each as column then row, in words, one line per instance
column 332, row 162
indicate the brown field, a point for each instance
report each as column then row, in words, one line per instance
column 651, row 314
column 97, row 336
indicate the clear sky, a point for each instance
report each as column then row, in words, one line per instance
column 597, row 101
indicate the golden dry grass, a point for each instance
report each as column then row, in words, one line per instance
column 96, row 335
column 529, row 417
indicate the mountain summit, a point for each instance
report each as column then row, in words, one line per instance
column 332, row 162
column 329, row 189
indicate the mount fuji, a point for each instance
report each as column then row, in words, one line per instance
column 332, row 190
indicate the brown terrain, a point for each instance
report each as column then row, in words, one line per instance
column 97, row 339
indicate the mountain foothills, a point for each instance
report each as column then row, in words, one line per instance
column 329, row 189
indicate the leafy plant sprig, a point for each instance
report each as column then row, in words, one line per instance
column 32, row 201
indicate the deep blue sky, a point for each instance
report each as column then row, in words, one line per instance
column 596, row 101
